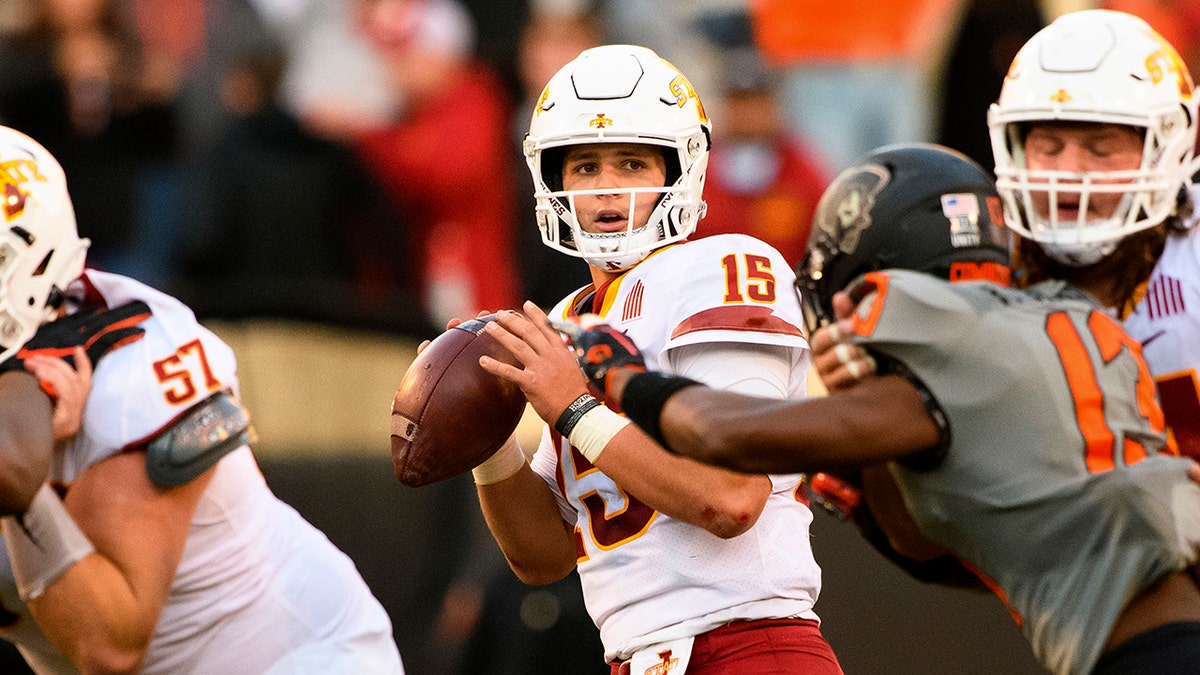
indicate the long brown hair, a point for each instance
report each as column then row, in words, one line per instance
column 1116, row 280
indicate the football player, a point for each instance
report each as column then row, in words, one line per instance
column 1019, row 426
column 1093, row 136
column 680, row 562
column 154, row 544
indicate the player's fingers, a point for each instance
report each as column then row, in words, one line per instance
column 855, row 360
column 828, row 337
column 820, row 342
column 833, row 333
column 502, row 370
column 1194, row 472
column 532, row 330
column 837, row 379
column 510, row 333
column 83, row 364
column 50, row 368
column 844, row 353
column 542, row 322
column 843, row 306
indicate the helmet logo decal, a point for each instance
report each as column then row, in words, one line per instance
column 854, row 196
column 600, row 121
column 13, row 174
column 963, row 212
column 14, row 201
column 1061, row 96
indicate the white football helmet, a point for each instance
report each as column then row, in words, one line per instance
column 1105, row 67
column 618, row 94
column 40, row 250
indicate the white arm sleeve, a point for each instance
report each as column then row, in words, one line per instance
column 771, row 371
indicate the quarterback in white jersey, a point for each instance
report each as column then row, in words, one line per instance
column 160, row 549
column 683, row 566
column 637, row 586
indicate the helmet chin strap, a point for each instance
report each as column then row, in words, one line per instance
column 1079, row 255
column 617, row 260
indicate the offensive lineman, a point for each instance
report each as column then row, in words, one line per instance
column 678, row 561
column 166, row 551
column 1093, row 136
column 1021, row 426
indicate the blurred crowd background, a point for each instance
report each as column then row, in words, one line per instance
column 326, row 182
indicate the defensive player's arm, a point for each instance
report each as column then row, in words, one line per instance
column 881, row 419
column 723, row 502
column 26, row 440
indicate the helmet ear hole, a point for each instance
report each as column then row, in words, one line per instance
column 41, row 268
column 552, row 167
column 56, row 298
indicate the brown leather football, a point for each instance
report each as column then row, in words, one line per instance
column 449, row 414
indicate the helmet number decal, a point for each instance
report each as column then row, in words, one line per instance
column 683, row 90
column 758, row 285
column 1165, row 61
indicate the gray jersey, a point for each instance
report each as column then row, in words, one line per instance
column 1054, row 486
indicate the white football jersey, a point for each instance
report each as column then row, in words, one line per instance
column 259, row 589
column 1167, row 323
column 647, row 577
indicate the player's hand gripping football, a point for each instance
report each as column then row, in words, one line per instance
column 602, row 351
column 549, row 375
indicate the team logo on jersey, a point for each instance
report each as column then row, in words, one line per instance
column 633, row 302
column 14, row 174
column 963, row 212
column 665, row 665
column 852, row 197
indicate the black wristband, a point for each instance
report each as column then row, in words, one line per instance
column 574, row 412
column 645, row 395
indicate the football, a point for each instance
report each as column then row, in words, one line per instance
column 449, row 414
